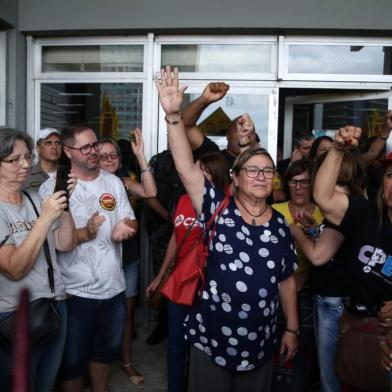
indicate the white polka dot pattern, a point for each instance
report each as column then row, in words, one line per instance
column 234, row 321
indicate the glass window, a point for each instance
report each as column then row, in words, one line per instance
column 367, row 114
column 95, row 103
column 340, row 59
column 98, row 58
column 216, row 119
column 219, row 58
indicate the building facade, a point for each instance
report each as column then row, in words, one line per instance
column 293, row 65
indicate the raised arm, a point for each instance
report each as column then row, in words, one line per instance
column 171, row 97
column 379, row 143
column 213, row 92
column 147, row 188
column 333, row 203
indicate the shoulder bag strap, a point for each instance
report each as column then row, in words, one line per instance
column 217, row 214
column 46, row 248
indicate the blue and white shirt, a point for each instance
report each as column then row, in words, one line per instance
column 234, row 322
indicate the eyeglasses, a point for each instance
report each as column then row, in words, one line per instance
column 105, row 157
column 18, row 160
column 254, row 171
column 304, row 183
column 97, row 146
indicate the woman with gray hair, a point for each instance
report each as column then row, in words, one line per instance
column 232, row 325
column 23, row 262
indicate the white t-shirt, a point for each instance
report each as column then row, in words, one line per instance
column 94, row 268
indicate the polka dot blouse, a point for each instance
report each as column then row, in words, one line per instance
column 234, row 321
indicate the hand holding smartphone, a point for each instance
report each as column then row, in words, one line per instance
column 62, row 177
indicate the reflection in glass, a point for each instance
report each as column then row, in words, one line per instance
column 218, row 58
column 103, row 58
column 111, row 109
column 215, row 120
column 340, row 59
column 366, row 114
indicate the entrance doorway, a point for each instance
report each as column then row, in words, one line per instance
column 324, row 113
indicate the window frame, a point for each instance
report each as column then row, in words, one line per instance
column 236, row 88
column 223, row 40
column 3, row 77
column 37, row 77
column 284, row 58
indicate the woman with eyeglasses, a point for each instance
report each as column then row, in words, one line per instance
column 232, row 326
column 23, row 263
column 110, row 160
column 297, row 181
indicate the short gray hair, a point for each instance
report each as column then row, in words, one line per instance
column 8, row 138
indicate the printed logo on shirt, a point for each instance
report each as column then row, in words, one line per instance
column 186, row 221
column 107, row 202
column 372, row 256
column 21, row 226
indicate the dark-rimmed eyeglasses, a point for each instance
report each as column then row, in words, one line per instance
column 254, row 171
column 106, row 157
column 304, row 183
column 86, row 149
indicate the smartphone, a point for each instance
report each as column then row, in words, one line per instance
column 61, row 181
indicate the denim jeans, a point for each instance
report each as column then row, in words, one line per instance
column 327, row 313
column 44, row 361
column 177, row 347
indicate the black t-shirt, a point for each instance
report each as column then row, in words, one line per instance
column 209, row 146
column 332, row 278
column 371, row 253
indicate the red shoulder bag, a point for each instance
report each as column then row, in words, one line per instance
column 188, row 275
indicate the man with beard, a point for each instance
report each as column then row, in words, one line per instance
column 92, row 273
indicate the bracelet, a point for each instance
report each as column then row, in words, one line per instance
column 311, row 231
column 147, row 169
column 292, row 331
column 383, row 138
column 175, row 122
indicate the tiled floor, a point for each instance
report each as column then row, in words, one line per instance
column 148, row 360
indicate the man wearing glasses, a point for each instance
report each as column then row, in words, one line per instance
column 49, row 151
column 92, row 273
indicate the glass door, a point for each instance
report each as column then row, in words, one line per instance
column 323, row 114
column 260, row 102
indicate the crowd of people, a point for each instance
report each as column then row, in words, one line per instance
column 297, row 247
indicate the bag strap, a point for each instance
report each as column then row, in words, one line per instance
column 46, row 248
column 217, row 214
column 219, row 210
column 212, row 221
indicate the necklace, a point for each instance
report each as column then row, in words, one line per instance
column 253, row 215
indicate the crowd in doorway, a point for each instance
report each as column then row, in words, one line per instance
column 299, row 252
